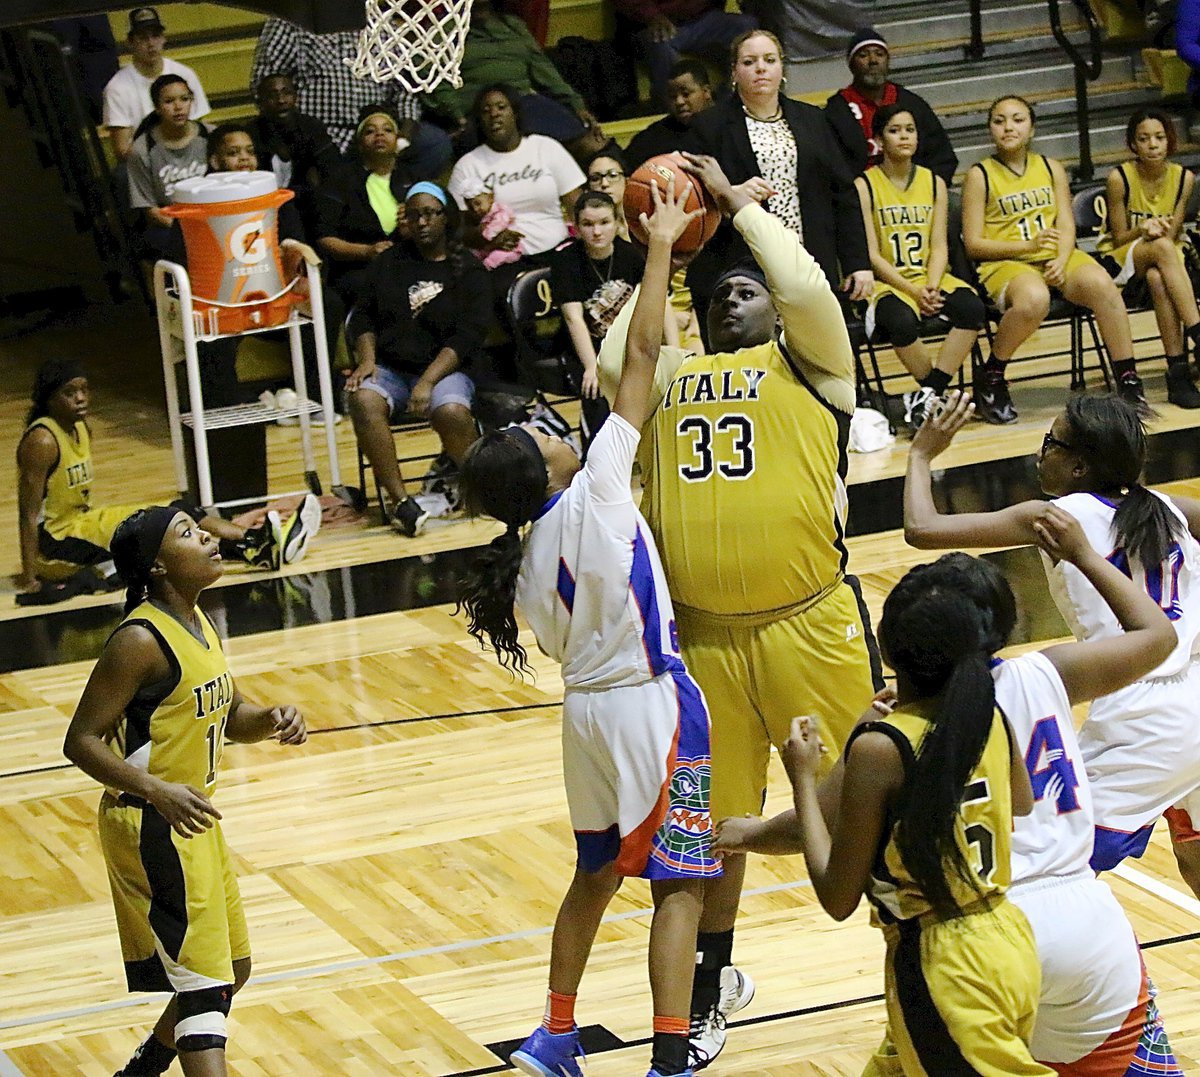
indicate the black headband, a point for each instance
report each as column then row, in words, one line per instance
column 137, row 541
column 53, row 375
column 528, row 445
column 743, row 269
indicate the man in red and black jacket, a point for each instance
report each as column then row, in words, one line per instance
column 851, row 110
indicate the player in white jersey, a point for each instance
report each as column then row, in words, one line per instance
column 1140, row 745
column 1096, row 1014
column 635, row 726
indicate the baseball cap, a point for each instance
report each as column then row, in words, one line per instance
column 868, row 35
column 144, row 18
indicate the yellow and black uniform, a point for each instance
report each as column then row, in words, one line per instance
column 1016, row 209
column 179, row 912
column 71, row 531
column 744, row 464
column 1142, row 204
column 961, row 993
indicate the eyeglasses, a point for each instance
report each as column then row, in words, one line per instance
column 416, row 216
column 613, row 174
column 1049, row 441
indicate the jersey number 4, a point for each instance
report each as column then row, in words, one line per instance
column 724, row 446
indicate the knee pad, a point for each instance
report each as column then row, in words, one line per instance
column 964, row 309
column 201, row 1023
column 898, row 321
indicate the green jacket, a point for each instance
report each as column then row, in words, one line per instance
column 501, row 49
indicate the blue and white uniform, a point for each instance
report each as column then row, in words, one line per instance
column 635, row 725
column 1140, row 745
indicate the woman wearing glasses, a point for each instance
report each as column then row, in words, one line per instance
column 1141, row 745
column 422, row 314
column 606, row 173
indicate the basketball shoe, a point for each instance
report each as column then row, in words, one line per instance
column 298, row 532
column 547, row 1055
column 707, row 1037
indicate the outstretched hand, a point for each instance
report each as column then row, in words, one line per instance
column 939, row 427
column 707, row 169
column 670, row 219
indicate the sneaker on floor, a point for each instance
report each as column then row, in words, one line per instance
column 916, row 406
column 408, row 517
column 993, row 402
column 706, row 1038
column 1130, row 389
column 1181, row 391
column 262, row 545
column 149, row 1060
column 298, row 532
column 686, row 1073
column 737, row 989
column 547, row 1055
column 443, row 479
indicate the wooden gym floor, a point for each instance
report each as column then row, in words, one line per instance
column 402, row 870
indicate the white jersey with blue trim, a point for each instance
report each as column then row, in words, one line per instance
column 1055, row 839
column 1174, row 584
column 591, row 584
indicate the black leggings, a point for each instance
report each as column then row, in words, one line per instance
column 901, row 326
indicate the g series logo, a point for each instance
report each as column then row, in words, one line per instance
column 246, row 242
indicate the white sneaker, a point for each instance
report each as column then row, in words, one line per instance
column 706, row 1039
column 916, row 405
column 303, row 524
column 737, row 989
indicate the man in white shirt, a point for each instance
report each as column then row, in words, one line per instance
column 127, row 95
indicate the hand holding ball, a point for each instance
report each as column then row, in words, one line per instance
column 639, row 199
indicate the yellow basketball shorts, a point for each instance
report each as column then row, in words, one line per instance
column 179, row 911
column 997, row 276
column 83, row 538
column 961, row 997
column 757, row 678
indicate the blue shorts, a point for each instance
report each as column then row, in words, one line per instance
column 396, row 388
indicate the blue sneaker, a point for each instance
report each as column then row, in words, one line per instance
column 546, row 1055
column 686, row 1073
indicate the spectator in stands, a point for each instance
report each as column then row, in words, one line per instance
column 673, row 27
column 421, row 317
column 689, row 92
column 127, row 98
column 327, row 89
column 1019, row 228
column 500, row 50
column 1147, row 201
column 531, row 174
column 171, row 148
column 905, row 212
column 606, row 173
column 358, row 211
column 295, row 146
column 757, row 132
column 851, row 111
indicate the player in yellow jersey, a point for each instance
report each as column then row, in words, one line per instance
column 59, row 528
column 904, row 208
column 150, row 727
column 920, row 817
column 1019, row 228
column 1147, row 200
column 744, row 466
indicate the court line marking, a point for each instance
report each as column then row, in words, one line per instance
column 366, row 962
column 1140, row 879
column 8, row 1068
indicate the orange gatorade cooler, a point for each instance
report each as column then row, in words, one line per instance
column 232, row 239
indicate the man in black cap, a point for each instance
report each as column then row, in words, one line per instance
column 851, row 110
column 127, row 95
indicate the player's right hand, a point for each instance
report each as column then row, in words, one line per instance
column 1060, row 535
column 669, row 219
column 940, row 426
column 803, row 749
column 734, row 835
column 187, row 809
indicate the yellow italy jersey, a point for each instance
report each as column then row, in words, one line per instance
column 175, row 730
column 69, row 484
column 984, row 827
column 1142, row 204
column 903, row 219
column 1017, row 208
column 745, row 483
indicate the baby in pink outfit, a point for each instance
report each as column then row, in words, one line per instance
column 492, row 218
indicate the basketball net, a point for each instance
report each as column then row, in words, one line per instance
column 418, row 43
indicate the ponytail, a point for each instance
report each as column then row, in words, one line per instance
column 135, row 594
column 488, row 595
column 934, row 637
column 1110, row 436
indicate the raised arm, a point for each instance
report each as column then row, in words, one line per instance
column 1101, row 666
column 925, row 527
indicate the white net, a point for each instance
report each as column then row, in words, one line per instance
column 418, row 43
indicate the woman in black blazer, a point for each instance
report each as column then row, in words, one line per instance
column 757, row 132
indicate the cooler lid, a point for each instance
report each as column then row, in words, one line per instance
column 224, row 187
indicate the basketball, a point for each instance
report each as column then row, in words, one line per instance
column 639, row 199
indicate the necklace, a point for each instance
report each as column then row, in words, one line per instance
column 775, row 116
column 608, row 271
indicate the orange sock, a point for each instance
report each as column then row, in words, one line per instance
column 560, row 1013
column 671, row 1026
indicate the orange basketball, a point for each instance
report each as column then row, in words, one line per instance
column 639, row 199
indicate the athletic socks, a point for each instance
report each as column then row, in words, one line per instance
column 937, row 380
column 670, row 1052
column 995, row 367
column 560, row 1013
column 1124, row 367
column 1177, row 360
column 714, row 950
column 152, row 1058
